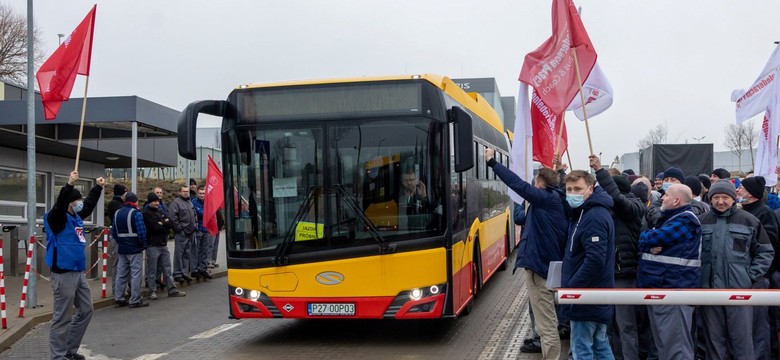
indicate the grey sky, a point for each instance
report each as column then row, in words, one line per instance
column 673, row 62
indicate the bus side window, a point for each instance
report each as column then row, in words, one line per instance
column 480, row 157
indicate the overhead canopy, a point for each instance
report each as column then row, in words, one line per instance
column 107, row 130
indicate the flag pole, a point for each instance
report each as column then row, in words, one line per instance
column 560, row 139
column 582, row 98
column 568, row 155
column 81, row 127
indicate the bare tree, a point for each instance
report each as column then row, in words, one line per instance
column 655, row 136
column 738, row 139
column 751, row 136
column 13, row 46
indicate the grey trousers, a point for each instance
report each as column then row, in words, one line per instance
column 201, row 251
column 181, row 254
column 625, row 325
column 728, row 331
column 159, row 257
column 215, row 249
column 69, row 289
column 671, row 325
column 130, row 267
column 112, row 246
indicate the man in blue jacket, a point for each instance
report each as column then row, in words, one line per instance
column 66, row 258
column 669, row 259
column 589, row 262
column 543, row 239
column 129, row 231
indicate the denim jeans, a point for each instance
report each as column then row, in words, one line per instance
column 589, row 341
column 201, row 251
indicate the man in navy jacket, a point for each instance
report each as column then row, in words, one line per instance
column 542, row 241
column 589, row 262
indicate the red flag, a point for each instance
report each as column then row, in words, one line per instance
column 58, row 74
column 546, row 125
column 215, row 197
column 550, row 68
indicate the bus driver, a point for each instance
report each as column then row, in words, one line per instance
column 413, row 203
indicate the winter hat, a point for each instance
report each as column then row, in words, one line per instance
column 693, row 183
column 622, row 183
column 131, row 197
column 723, row 187
column 659, row 176
column 119, row 189
column 721, row 173
column 627, row 172
column 676, row 173
column 705, row 181
column 193, row 182
column 755, row 186
column 74, row 194
column 640, row 190
column 631, row 178
column 152, row 197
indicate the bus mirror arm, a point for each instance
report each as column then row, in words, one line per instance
column 188, row 120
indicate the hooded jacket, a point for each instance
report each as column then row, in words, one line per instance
column 65, row 231
column 589, row 260
column 544, row 233
column 628, row 212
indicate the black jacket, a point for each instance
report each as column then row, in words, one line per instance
column 115, row 204
column 771, row 224
column 158, row 226
column 628, row 213
column 57, row 216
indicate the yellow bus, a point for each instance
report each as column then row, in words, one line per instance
column 358, row 198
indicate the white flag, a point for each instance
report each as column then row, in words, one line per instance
column 598, row 95
column 766, row 154
column 761, row 93
column 521, row 156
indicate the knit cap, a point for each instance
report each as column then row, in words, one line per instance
column 723, row 187
column 755, row 186
column 676, row 173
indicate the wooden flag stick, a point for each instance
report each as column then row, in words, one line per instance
column 560, row 139
column 81, row 127
column 568, row 155
column 582, row 97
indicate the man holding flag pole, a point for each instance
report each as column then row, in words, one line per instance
column 55, row 80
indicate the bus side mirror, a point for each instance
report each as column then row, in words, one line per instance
column 188, row 121
column 464, row 138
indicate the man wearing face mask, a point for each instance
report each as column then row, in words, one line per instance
column 543, row 240
column 736, row 254
column 672, row 176
column 589, row 262
column 66, row 258
column 669, row 259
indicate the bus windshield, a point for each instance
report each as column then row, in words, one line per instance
column 319, row 186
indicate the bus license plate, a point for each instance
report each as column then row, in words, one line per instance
column 331, row 309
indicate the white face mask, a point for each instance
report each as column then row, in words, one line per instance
column 78, row 206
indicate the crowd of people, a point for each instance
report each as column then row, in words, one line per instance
column 626, row 230
column 135, row 232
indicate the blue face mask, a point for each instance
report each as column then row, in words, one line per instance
column 79, row 205
column 666, row 186
column 575, row 200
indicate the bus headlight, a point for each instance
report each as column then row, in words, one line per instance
column 434, row 290
column 239, row 291
column 416, row 294
column 254, row 295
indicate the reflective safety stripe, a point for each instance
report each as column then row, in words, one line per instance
column 671, row 260
column 130, row 232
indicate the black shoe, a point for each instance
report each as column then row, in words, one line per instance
column 186, row 278
column 177, row 293
column 196, row 275
column 564, row 334
column 139, row 304
column 120, row 303
column 75, row 356
column 531, row 349
column 205, row 275
column 528, row 341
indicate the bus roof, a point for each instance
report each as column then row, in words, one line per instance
column 472, row 101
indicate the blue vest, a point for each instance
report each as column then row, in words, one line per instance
column 69, row 245
column 127, row 238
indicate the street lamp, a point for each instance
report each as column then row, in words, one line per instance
column 698, row 139
column 59, row 38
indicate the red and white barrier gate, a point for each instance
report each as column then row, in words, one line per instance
column 2, row 288
column 718, row 297
column 26, row 276
column 105, row 264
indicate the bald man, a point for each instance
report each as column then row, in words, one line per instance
column 670, row 259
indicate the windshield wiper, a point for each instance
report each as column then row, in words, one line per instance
column 284, row 247
column 384, row 246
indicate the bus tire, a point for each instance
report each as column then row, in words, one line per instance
column 476, row 266
column 507, row 251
